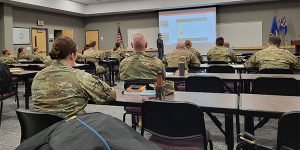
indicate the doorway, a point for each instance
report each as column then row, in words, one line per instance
column 92, row 35
column 39, row 40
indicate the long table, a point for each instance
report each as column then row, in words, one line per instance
column 40, row 65
column 250, row 77
column 223, row 76
column 270, row 106
column 26, row 76
column 209, row 102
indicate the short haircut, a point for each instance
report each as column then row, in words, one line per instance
column 92, row 44
column 20, row 50
column 220, row 41
column 274, row 40
column 62, row 47
column 35, row 49
column 188, row 43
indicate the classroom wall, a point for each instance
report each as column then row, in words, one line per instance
column 1, row 28
column 23, row 17
column 107, row 25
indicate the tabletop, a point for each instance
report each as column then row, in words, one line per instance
column 254, row 76
column 207, row 100
column 269, row 103
column 235, row 66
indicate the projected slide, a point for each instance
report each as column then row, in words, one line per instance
column 197, row 25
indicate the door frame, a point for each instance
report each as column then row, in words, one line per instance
column 98, row 37
column 47, row 40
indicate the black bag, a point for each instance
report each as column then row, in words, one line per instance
column 96, row 131
column 5, row 79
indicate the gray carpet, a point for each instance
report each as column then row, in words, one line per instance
column 10, row 128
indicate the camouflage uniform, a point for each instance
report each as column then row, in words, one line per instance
column 65, row 90
column 94, row 56
column 79, row 57
column 195, row 52
column 140, row 65
column 221, row 53
column 273, row 57
column 6, row 59
column 23, row 55
column 171, row 59
column 36, row 57
column 118, row 54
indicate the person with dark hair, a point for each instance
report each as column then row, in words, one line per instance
column 6, row 57
column 160, row 46
column 273, row 57
column 35, row 56
column 22, row 54
column 117, row 52
column 188, row 47
column 93, row 55
column 59, row 88
column 221, row 53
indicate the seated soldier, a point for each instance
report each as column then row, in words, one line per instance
column 188, row 47
column 36, row 55
column 221, row 53
column 180, row 54
column 93, row 55
column 22, row 54
column 6, row 57
column 273, row 57
column 59, row 88
column 117, row 52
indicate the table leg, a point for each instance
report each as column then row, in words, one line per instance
column 27, row 93
column 229, row 131
column 249, row 124
column 113, row 75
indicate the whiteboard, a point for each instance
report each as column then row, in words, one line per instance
column 149, row 33
column 241, row 34
column 21, row 36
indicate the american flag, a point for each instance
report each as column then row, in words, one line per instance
column 119, row 36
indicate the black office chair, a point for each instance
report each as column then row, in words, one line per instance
column 288, row 135
column 37, row 62
column 217, row 62
column 91, row 67
column 173, row 129
column 32, row 68
column 171, row 69
column 135, row 111
column 33, row 122
column 276, row 86
column 194, row 69
column 204, row 84
column 220, row 69
column 276, row 71
column 8, row 87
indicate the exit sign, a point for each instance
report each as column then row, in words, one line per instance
column 40, row 22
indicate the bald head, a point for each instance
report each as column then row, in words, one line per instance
column 139, row 42
column 180, row 45
column 227, row 44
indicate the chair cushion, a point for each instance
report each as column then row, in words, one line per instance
column 136, row 110
column 167, row 144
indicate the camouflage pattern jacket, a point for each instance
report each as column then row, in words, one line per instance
column 171, row 59
column 220, row 53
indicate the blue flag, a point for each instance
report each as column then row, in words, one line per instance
column 274, row 27
column 283, row 25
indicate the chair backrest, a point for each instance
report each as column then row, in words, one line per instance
column 288, row 136
column 127, row 83
column 204, row 84
column 173, row 120
column 217, row 62
column 5, row 79
column 33, row 67
column 91, row 67
column 276, row 86
column 33, row 122
column 276, row 71
column 220, row 69
column 171, row 69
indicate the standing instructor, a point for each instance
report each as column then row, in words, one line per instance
column 160, row 46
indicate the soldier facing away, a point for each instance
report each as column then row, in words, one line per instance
column 273, row 57
column 172, row 58
column 6, row 57
column 93, row 55
column 221, row 53
column 188, row 47
column 59, row 88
